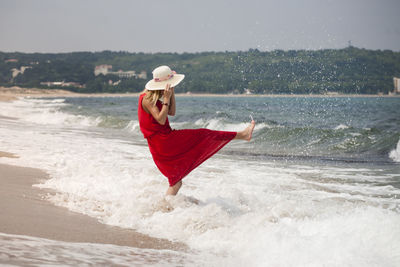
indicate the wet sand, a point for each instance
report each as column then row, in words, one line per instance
column 7, row 155
column 13, row 93
column 24, row 211
column 7, row 97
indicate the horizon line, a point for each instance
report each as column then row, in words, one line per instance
column 197, row 52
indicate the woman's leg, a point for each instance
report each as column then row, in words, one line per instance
column 246, row 133
column 173, row 190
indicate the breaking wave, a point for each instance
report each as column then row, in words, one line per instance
column 395, row 153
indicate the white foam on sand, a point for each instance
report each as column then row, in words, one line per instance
column 230, row 211
column 19, row 250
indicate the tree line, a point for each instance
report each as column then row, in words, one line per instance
column 348, row 70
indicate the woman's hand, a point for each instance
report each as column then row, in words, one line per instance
column 172, row 106
column 168, row 93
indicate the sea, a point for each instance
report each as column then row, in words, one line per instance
column 318, row 185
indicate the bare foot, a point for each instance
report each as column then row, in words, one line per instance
column 247, row 133
column 249, row 130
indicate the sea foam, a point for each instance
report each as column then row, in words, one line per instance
column 23, row 250
column 341, row 127
column 230, row 211
column 395, row 153
column 41, row 111
column 219, row 124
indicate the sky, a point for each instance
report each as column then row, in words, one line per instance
column 51, row 26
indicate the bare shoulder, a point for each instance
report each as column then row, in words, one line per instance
column 146, row 104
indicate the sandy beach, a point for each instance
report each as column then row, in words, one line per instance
column 24, row 211
column 12, row 93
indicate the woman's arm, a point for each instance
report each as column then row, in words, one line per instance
column 172, row 105
column 159, row 115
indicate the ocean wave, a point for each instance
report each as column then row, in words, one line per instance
column 395, row 153
column 358, row 144
column 342, row 142
column 45, row 112
column 46, row 101
column 341, row 127
column 235, row 209
column 221, row 125
column 132, row 126
column 268, row 211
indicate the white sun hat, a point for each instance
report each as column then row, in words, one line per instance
column 162, row 76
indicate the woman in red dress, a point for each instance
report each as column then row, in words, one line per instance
column 176, row 152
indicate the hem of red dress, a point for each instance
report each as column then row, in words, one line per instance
column 233, row 137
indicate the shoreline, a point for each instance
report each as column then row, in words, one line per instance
column 24, row 211
column 13, row 93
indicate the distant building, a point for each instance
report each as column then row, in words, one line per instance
column 102, row 69
column 11, row 60
column 332, row 93
column 106, row 70
column 123, row 74
column 142, row 75
column 63, row 84
column 52, row 83
column 247, row 91
column 396, row 82
column 72, row 84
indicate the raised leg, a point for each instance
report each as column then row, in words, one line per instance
column 247, row 133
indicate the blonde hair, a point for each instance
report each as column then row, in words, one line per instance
column 153, row 95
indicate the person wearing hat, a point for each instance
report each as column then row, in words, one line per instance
column 176, row 152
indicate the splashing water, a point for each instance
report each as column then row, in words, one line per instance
column 304, row 192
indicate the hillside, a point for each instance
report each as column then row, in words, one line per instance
column 349, row 70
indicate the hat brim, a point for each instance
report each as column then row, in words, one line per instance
column 174, row 81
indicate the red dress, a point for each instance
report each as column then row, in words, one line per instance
column 177, row 152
